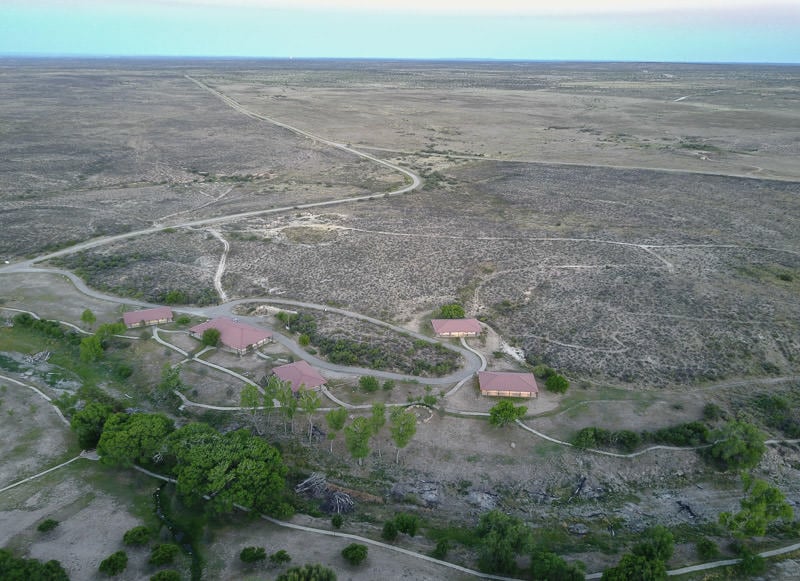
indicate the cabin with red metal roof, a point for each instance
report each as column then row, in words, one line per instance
column 299, row 375
column 236, row 336
column 507, row 384
column 456, row 327
column 144, row 317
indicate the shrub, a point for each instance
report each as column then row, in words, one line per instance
column 451, row 311
column 163, row 554
column 166, row 575
column 557, row 384
column 47, row 525
column 337, row 521
column 440, row 551
column 627, row 440
column 303, row 340
column 137, row 536
column 355, row 553
column 543, row 371
column 211, row 337
column 183, row 319
column 368, row 383
column 252, row 554
column 114, row 564
column 688, row 434
column 751, row 564
column 280, row 557
column 707, row 549
column 407, row 523
column 308, row 573
column 388, row 385
column 712, row 412
column 389, row 532
column 430, row 400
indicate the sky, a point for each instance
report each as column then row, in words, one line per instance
column 595, row 30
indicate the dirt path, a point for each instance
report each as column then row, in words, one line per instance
column 223, row 296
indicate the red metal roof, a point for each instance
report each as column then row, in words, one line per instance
column 233, row 334
column 507, row 381
column 147, row 315
column 451, row 326
column 299, row 373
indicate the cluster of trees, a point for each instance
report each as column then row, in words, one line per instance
column 93, row 346
column 212, row 469
column 18, row 569
column 52, row 329
column 402, row 427
column 504, row 538
column 552, row 381
column 451, row 311
column 308, row 573
column 405, row 523
column 647, row 559
column 762, row 505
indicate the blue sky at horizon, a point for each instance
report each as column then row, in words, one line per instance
column 604, row 30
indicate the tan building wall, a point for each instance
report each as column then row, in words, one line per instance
column 493, row 393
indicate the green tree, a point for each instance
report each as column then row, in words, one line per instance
column 355, row 553
column 368, row 383
column 356, row 438
column 137, row 536
column 547, row 566
column 88, row 423
column 250, row 401
column 252, row 554
column 389, row 532
column 706, row 549
column 636, row 568
column 308, row 573
column 107, row 330
column 309, row 402
column 271, row 389
column 451, row 311
column 504, row 412
column 407, row 524
column 280, row 557
column 231, row 468
column 335, row 420
column 46, row 525
column 114, row 564
column 557, row 384
column 88, row 317
column 738, row 446
column 163, row 553
column 166, row 575
column 377, row 420
column 657, row 544
column 288, row 401
column 763, row 505
column 502, row 539
column 211, row 337
column 403, row 428
column 17, row 569
column 129, row 439
column 91, row 349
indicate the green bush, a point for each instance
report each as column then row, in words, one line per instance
column 211, row 337
column 751, row 564
column 114, row 564
column 557, row 384
column 183, row 319
column 389, row 532
column 163, row 554
column 451, row 311
column 712, row 412
column 47, row 525
column 337, row 521
column 407, row 523
column 252, row 554
column 303, row 340
column 137, row 536
column 368, row 383
column 280, row 557
column 688, row 434
column 355, row 553
column 543, row 371
column 388, row 385
column 166, row 575
column 308, row 573
column 440, row 551
column 707, row 549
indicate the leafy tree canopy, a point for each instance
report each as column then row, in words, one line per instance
column 451, row 311
column 658, row 543
column 738, row 446
column 356, row 437
column 17, row 569
column 403, row 428
column 763, row 504
column 504, row 412
column 547, row 566
column 235, row 467
column 129, row 439
column 114, row 564
column 355, row 553
column 211, row 337
column 88, row 423
column 503, row 538
column 557, row 384
column 635, row 567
